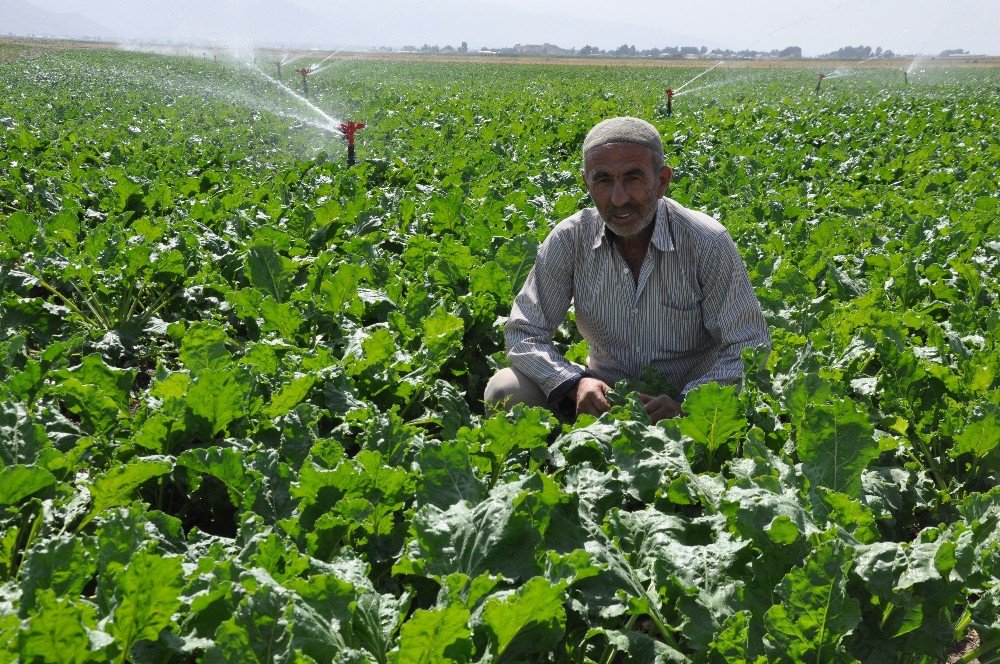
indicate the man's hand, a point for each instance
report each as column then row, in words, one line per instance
column 591, row 396
column 661, row 407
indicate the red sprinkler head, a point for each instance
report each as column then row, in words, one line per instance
column 670, row 101
column 347, row 129
column 820, row 81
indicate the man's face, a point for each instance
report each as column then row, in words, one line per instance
column 625, row 186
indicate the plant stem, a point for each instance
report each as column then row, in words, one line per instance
column 983, row 648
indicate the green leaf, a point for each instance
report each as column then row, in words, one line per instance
column 816, row 613
column 979, row 437
column 98, row 412
column 438, row 635
column 836, row 442
column 203, row 348
column 447, row 475
column 442, row 332
column 19, row 482
column 502, row 434
column 529, row 622
column 226, row 464
column 290, row 395
column 281, row 317
column 852, row 515
column 20, row 227
column 115, row 487
column 269, row 271
column 59, row 631
column 497, row 535
column 714, row 417
column 150, row 589
column 62, row 564
column 341, row 289
column 259, row 632
column 218, row 398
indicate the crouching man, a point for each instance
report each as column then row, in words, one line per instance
column 653, row 284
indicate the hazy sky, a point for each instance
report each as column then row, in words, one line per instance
column 818, row 26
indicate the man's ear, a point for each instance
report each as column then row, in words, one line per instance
column 665, row 176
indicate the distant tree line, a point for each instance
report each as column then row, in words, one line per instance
column 670, row 52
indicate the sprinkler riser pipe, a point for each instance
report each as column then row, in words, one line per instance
column 350, row 155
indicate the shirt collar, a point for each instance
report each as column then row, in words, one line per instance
column 662, row 238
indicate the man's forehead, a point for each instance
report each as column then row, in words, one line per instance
column 617, row 156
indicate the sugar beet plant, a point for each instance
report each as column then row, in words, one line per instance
column 240, row 386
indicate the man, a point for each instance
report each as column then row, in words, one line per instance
column 653, row 284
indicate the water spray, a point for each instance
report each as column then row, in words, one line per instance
column 304, row 72
column 347, row 129
column 670, row 101
column 820, row 81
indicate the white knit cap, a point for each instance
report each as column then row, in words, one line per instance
column 624, row 130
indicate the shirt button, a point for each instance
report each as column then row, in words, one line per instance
column 637, row 349
column 635, row 310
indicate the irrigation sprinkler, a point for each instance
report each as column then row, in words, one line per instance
column 304, row 72
column 820, row 81
column 670, row 101
column 906, row 77
column 278, row 62
column 347, row 129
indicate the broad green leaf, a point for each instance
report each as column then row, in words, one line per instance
column 442, row 332
column 447, row 476
column 116, row 486
column 713, row 417
column 19, row 482
column 269, row 271
column 98, row 412
column 20, row 227
column 852, row 515
column 260, row 631
column 835, row 443
column 150, row 589
column 62, row 564
column 530, row 621
column 59, row 631
column 224, row 463
column 979, row 437
column 203, row 348
column 281, row 317
column 218, row 398
column 816, row 614
column 290, row 395
column 497, row 535
column 438, row 635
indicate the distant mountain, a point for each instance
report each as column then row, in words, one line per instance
column 339, row 24
column 19, row 17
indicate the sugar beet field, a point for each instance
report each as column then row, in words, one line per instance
column 241, row 383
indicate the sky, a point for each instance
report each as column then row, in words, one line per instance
column 817, row 26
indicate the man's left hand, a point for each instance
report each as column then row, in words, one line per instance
column 660, row 407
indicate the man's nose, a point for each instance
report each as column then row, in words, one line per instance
column 619, row 196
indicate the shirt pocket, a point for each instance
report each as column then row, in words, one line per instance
column 682, row 329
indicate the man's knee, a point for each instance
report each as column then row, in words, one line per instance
column 508, row 387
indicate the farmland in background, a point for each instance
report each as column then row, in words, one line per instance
column 240, row 384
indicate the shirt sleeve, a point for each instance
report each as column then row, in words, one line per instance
column 730, row 311
column 538, row 310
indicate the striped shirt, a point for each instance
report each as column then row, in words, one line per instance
column 689, row 315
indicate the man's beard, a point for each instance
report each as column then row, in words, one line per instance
column 646, row 216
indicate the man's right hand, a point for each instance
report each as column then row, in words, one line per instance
column 591, row 396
